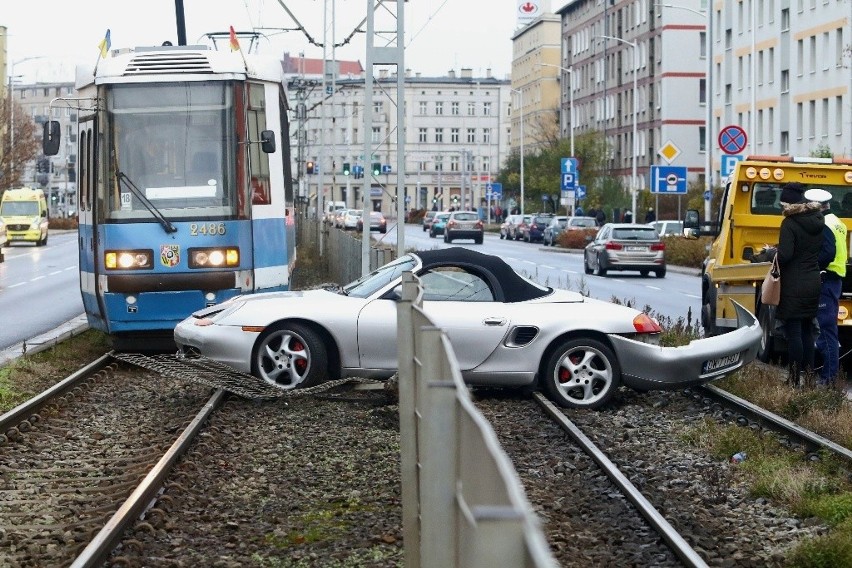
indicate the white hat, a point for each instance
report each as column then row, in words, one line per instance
column 818, row 194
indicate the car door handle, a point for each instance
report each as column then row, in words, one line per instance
column 494, row 321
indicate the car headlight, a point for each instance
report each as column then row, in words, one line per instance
column 35, row 224
column 129, row 259
column 214, row 257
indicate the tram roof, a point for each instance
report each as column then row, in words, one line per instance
column 177, row 63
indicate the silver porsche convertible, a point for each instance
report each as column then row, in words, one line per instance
column 505, row 331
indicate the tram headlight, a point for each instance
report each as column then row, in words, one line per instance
column 128, row 259
column 215, row 257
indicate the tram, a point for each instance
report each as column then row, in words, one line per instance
column 184, row 197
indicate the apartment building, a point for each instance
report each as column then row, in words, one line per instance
column 456, row 138
column 780, row 70
column 536, row 90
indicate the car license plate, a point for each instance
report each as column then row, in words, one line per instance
column 720, row 364
column 467, row 225
column 637, row 249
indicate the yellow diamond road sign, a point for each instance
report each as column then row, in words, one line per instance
column 669, row 152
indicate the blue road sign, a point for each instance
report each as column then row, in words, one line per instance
column 707, row 196
column 728, row 163
column 495, row 190
column 668, row 179
column 569, row 165
column 569, row 181
column 581, row 192
column 386, row 169
column 732, row 139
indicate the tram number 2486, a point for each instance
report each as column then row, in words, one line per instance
column 207, row 229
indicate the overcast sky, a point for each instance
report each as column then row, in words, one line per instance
column 440, row 34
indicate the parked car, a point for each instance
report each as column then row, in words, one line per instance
column 439, row 223
column 522, row 226
column 551, row 232
column 507, row 229
column 464, row 225
column 534, row 231
column 625, row 246
column 580, row 223
column 351, row 218
column 505, row 331
column 666, row 228
column 377, row 222
column 427, row 219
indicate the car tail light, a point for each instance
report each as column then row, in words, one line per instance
column 658, row 246
column 643, row 323
column 451, row 224
column 614, row 246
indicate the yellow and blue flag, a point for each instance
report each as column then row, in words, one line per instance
column 104, row 45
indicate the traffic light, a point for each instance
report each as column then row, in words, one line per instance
column 377, row 168
column 309, row 167
column 347, row 169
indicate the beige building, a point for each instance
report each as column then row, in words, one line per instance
column 536, row 56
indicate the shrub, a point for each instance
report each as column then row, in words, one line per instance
column 63, row 223
column 686, row 252
column 575, row 239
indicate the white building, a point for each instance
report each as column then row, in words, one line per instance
column 456, row 138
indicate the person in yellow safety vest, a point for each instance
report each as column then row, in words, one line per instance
column 832, row 263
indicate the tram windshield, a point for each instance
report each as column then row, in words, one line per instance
column 176, row 144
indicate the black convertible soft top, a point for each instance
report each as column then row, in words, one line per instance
column 502, row 277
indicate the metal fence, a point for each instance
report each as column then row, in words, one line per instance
column 462, row 501
column 341, row 251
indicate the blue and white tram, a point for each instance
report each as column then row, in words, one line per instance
column 184, row 200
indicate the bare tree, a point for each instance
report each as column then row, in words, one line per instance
column 545, row 128
column 27, row 143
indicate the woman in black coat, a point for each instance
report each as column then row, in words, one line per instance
column 799, row 245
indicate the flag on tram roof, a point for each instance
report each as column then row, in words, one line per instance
column 104, row 45
column 235, row 44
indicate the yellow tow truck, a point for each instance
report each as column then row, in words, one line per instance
column 749, row 220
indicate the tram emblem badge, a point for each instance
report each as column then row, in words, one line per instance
column 170, row 255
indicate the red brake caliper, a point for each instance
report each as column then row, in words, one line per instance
column 300, row 364
column 565, row 374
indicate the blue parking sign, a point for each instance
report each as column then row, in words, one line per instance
column 569, row 181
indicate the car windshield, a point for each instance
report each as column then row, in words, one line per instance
column 367, row 285
column 542, row 220
column 19, row 208
column 634, row 234
column 465, row 217
column 587, row 222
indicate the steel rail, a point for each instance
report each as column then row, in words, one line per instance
column 749, row 410
column 106, row 540
column 670, row 535
column 26, row 409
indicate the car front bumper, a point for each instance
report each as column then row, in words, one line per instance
column 226, row 344
column 651, row 367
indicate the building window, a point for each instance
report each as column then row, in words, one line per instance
column 378, row 106
column 454, row 163
column 785, row 20
column 785, row 81
column 423, row 108
column 785, row 142
column 486, row 106
column 439, row 163
column 702, row 41
column 486, row 136
column 439, row 108
column 454, row 108
column 421, row 134
column 471, row 108
column 439, row 135
column 377, row 134
column 702, row 91
column 471, row 136
column 486, row 164
column 454, row 135
column 702, row 139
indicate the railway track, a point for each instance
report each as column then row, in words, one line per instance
column 86, row 455
column 622, row 487
column 127, row 476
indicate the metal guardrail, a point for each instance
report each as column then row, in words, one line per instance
column 462, row 501
column 341, row 252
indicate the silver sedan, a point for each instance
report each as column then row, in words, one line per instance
column 505, row 331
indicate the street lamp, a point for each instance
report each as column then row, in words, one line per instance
column 521, row 117
column 570, row 71
column 635, row 114
column 708, row 128
column 12, row 112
